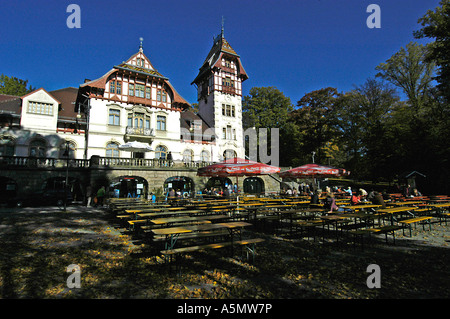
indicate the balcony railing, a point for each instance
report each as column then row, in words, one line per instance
column 41, row 162
column 95, row 161
column 140, row 131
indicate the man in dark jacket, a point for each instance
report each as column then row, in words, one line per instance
column 378, row 200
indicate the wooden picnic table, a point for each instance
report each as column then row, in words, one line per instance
column 172, row 233
column 186, row 220
column 170, row 213
column 361, row 207
column 396, row 210
column 406, row 203
column 443, row 205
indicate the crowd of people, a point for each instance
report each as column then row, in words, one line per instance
column 356, row 197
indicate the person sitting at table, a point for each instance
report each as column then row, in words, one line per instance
column 330, row 203
column 378, row 200
column 355, row 198
column 416, row 193
column 315, row 197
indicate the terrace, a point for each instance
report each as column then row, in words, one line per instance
column 95, row 161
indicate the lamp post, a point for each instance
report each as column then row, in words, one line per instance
column 66, row 154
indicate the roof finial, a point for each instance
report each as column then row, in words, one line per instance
column 223, row 22
column 140, row 45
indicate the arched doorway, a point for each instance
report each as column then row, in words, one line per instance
column 8, row 190
column 253, row 185
column 180, row 184
column 56, row 184
column 129, row 186
column 218, row 182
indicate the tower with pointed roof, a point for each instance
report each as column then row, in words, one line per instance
column 219, row 89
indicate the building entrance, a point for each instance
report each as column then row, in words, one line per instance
column 129, row 186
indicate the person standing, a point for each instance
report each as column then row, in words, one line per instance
column 101, row 196
column 88, row 195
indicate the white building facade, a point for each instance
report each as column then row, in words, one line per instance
column 134, row 102
column 219, row 88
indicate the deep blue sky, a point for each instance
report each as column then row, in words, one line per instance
column 297, row 46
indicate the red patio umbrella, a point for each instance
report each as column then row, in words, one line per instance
column 237, row 167
column 314, row 170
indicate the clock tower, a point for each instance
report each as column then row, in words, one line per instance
column 219, row 89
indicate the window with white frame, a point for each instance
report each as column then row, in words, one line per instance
column 160, row 122
column 131, row 89
column 204, row 156
column 161, row 152
column 40, row 108
column 140, row 90
column 71, row 148
column 188, row 156
column 112, row 149
column 114, row 117
column 38, row 148
column 6, row 146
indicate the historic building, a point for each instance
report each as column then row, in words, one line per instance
column 85, row 128
column 219, row 88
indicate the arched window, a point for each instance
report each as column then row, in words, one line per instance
column 229, row 154
column 72, row 149
column 161, row 152
column 188, row 156
column 204, row 156
column 6, row 146
column 38, row 148
column 112, row 149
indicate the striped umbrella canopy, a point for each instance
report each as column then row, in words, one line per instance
column 237, row 167
column 314, row 170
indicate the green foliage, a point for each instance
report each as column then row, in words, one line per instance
column 369, row 130
column 436, row 25
column 14, row 86
column 265, row 107
column 408, row 70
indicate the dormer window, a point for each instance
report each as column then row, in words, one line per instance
column 40, row 108
column 140, row 62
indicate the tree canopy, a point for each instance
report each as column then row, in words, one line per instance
column 14, row 86
column 369, row 130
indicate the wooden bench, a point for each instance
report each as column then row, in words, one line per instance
column 376, row 230
column 309, row 225
column 443, row 216
column 409, row 222
column 133, row 222
column 196, row 235
column 245, row 242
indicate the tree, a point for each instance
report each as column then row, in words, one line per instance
column 14, row 86
column 436, row 25
column 360, row 116
column 408, row 70
column 315, row 125
column 267, row 107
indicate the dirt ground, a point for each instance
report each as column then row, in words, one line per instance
column 38, row 244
